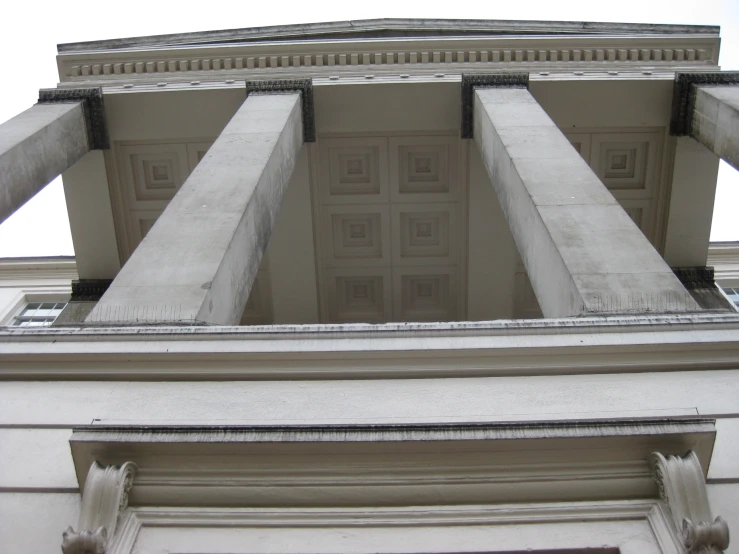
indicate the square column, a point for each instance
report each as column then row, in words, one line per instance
column 583, row 253
column 47, row 139
column 706, row 107
column 198, row 262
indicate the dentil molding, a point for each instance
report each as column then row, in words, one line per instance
column 682, row 487
column 104, row 498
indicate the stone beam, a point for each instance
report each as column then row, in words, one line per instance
column 198, row 262
column 705, row 107
column 582, row 252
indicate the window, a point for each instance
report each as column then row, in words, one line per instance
column 38, row 314
column 732, row 293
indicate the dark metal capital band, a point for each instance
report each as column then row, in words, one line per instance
column 694, row 278
column 89, row 290
column 491, row 80
column 684, row 92
column 93, row 107
column 304, row 86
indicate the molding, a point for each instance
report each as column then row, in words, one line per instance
column 467, row 349
column 681, row 485
column 389, row 28
column 104, row 498
column 303, row 86
column 314, row 58
column 294, row 465
column 642, row 513
column 89, row 290
column 493, row 80
column 93, row 108
column 684, row 92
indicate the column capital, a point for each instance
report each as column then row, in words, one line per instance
column 93, row 108
column 279, row 86
column 684, row 92
column 486, row 80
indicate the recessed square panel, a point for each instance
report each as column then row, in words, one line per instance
column 424, row 169
column 356, row 297
column 356, row 235
column 627, row 161
column 641, row 212
column 426, row 294
column 155, row 171
column 353, row 170
column 424, row 234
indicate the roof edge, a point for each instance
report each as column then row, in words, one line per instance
column 386, row 28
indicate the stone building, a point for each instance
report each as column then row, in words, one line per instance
column 383, row 286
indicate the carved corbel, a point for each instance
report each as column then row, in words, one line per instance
column 104, row 498
column 683, row 489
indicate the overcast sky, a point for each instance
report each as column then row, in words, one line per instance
column 30, row 31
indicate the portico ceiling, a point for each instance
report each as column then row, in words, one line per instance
column 389, row 216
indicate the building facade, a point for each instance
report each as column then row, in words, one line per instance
column 378, row 286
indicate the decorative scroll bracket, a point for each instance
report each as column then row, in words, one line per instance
column 683, row 96
column 494, row 80
column 683, row 489
column 304, row 86
column 92, row 106
column 104, row 498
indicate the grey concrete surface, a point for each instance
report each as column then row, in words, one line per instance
column 35, row 147
column 198, row 262
column 583, row 253
column 716, row 121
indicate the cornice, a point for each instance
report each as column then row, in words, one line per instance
column 37, row 268
column 500, row 348
column 301, row 59
column 389, row 28
column 381, row 464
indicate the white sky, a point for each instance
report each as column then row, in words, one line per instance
column 30, row 31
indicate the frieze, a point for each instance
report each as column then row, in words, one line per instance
column 93, row 107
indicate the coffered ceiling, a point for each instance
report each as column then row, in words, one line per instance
column 389, row 217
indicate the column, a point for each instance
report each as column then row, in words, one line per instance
column 582, row 252
column 198, row 262
column 35, row 147
column 706, row 107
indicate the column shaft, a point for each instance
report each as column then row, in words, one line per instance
column 197, row 264
column 35, row 147
column 715, row 121
column 581, row 250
